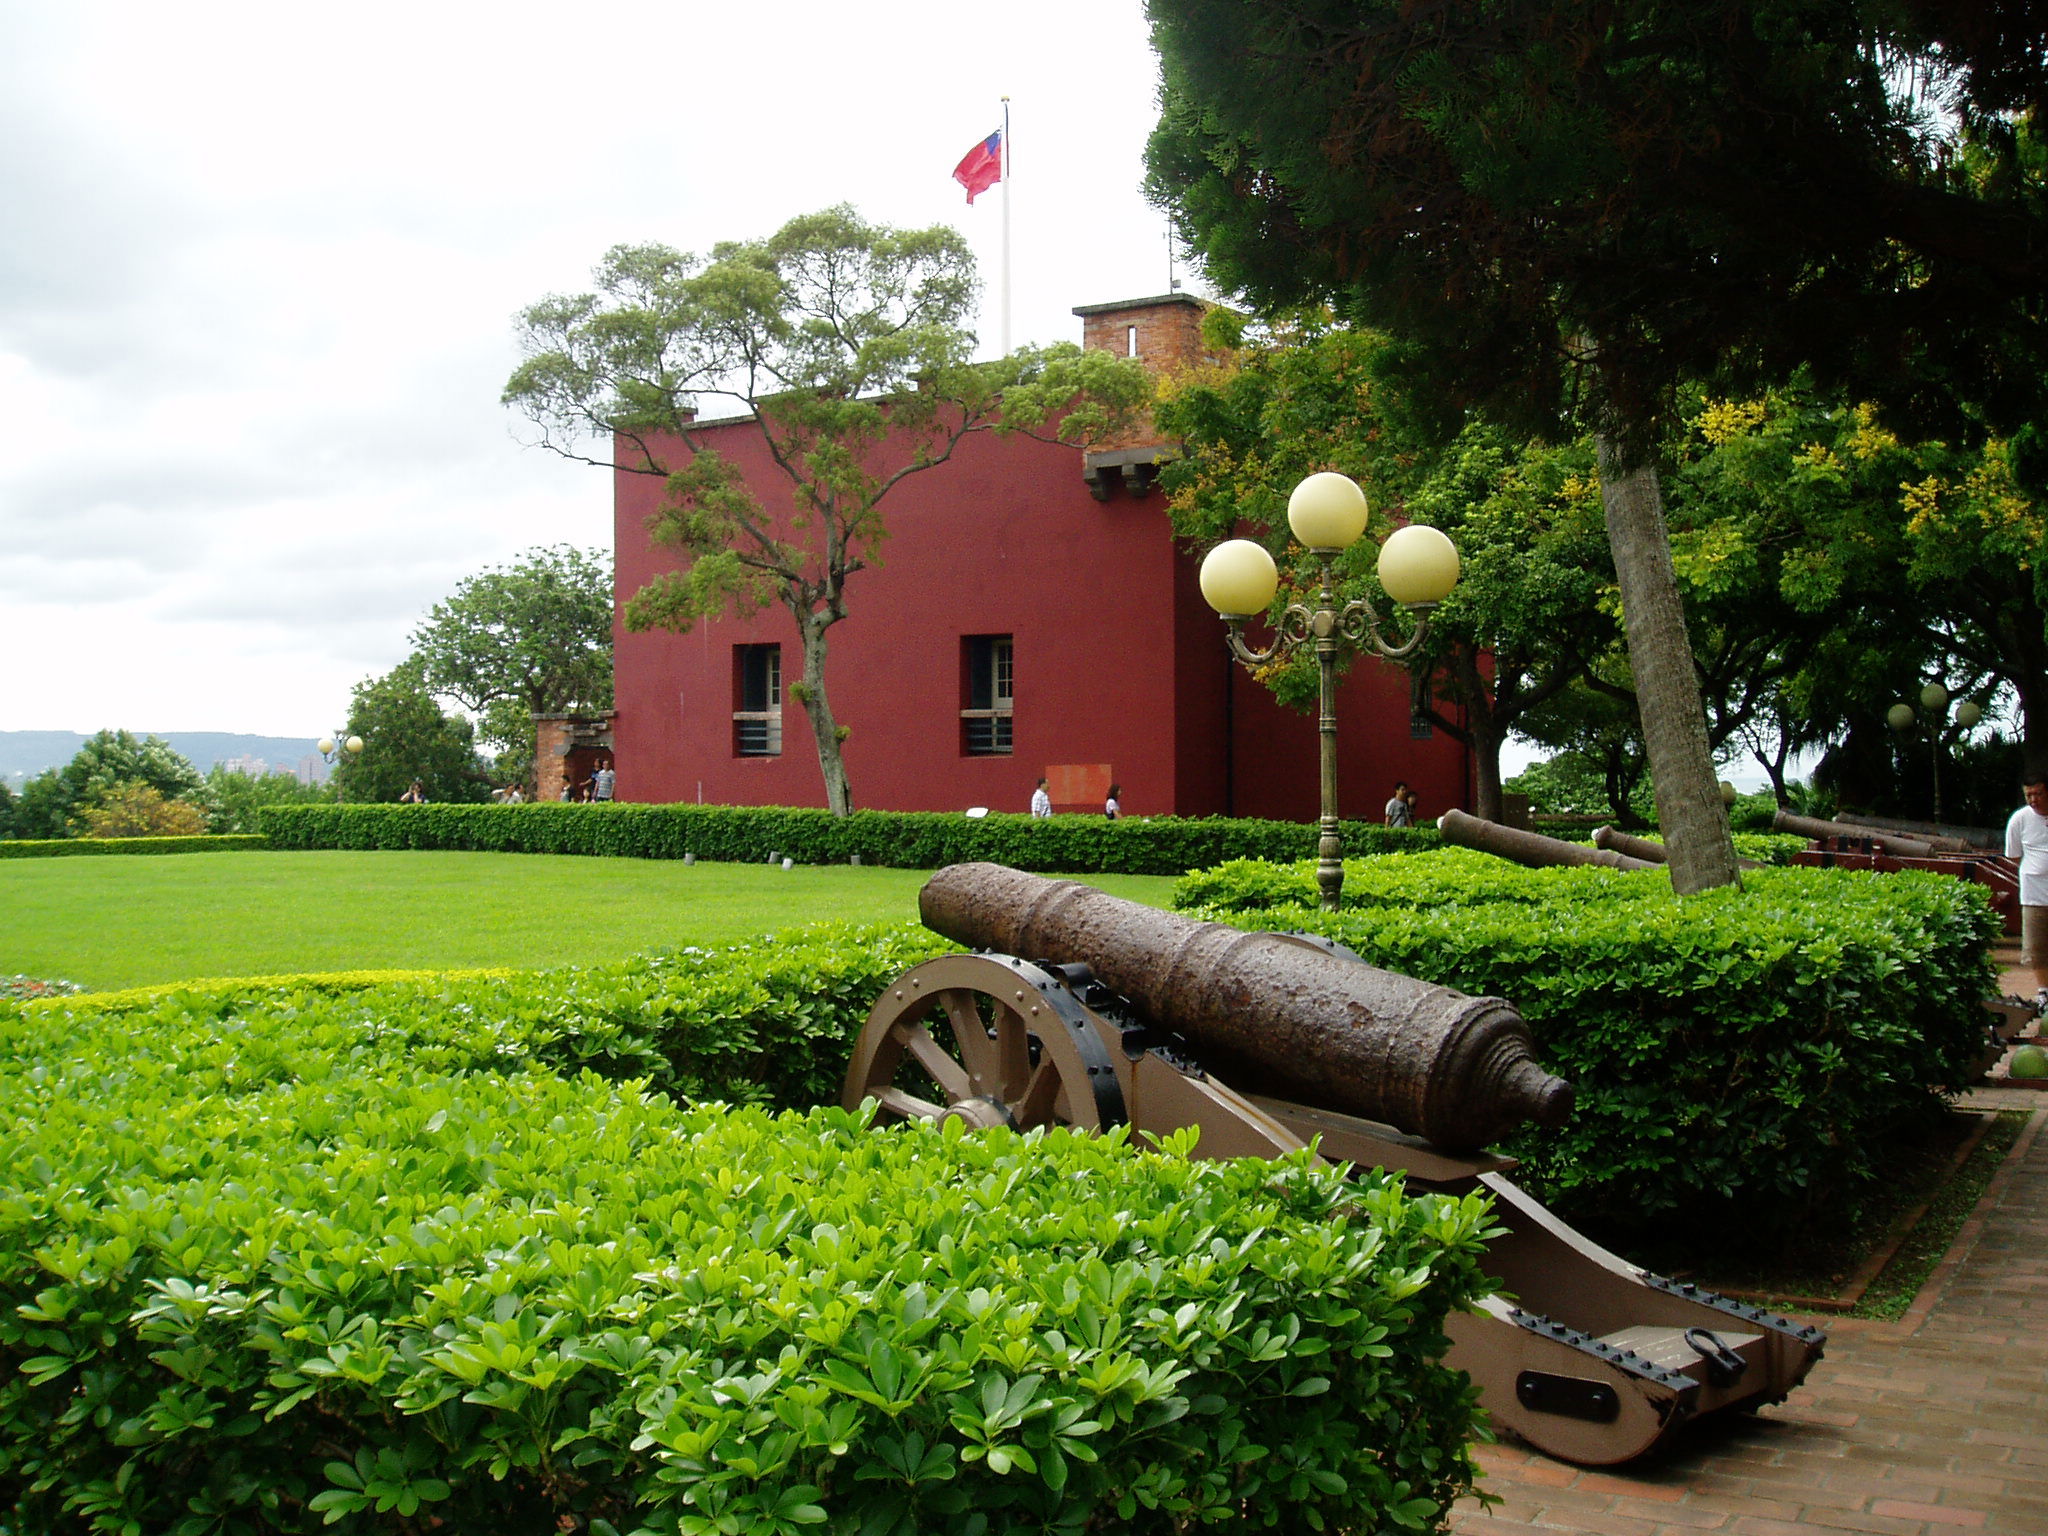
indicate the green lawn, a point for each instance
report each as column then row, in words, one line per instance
column 126, row 922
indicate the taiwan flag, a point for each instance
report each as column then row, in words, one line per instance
column 982, row 166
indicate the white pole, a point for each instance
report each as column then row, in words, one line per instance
column 1006, row 226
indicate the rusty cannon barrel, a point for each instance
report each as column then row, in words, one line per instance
column 1530, row 848
column 1985, row 839
column 1628, row 845
column 1270, row 1012
column 1890, row 842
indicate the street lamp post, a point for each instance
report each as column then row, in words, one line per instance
column 1934, row 705
column 333, row 747
column 1418, row 566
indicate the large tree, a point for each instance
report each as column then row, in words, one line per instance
column 1889, row 563
column 1976, row 559
column 530, row 638
column 844, row 345
column 235, row 800
column 53, row 803
column 1556, row 202
column 136, row 810
column 406, row 736
column 1532, row 616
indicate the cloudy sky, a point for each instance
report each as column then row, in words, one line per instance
column 259, row 265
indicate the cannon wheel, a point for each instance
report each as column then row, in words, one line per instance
column 985, row 1039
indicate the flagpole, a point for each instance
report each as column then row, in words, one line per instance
column 1006, row 226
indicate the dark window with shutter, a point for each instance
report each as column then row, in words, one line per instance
column 987, row 694
column 757, row 700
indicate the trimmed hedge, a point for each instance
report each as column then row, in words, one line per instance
column 355, row 1253
column 1740, row 1057
column 1159, row 845
column 219, row 995
column 78, row 847
column 770, row 1023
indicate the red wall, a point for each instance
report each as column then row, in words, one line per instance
column 1118, row 661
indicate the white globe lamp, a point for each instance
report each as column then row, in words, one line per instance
column 1418, row 566
column 1239, row 578
column 1327, row 511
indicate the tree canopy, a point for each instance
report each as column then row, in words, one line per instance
column 235, row 800
column 538, row 631
column 1542, row 197
column 1553, row 204
column 1898, row 563
column 514, row 641
column 844, row 347
column 54, row 802
column 137, row 810
column 407, row 736
column 1828, row 568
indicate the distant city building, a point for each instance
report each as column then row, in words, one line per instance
column 1031, row 616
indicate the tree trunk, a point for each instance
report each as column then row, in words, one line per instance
column 2033, row 724
column 2026, row 655
column 1620, row 774
column 818, row 709
column 1689, row 808
column 1487, row 740
column 1775, row 767
column 1485, row 729
column 1776, row 770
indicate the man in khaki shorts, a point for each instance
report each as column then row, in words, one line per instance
column 2026, row 842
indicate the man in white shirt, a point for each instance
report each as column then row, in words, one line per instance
column 2026, row 841
column 1041, row 802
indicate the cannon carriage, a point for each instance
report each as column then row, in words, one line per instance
column 1267, row 1043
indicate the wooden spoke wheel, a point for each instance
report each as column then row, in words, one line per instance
column 988, row 1040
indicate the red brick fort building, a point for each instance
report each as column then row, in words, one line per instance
column 1031, row 616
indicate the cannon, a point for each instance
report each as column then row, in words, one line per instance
column 1617, row 841
column 1889, row 842
column 1530, row 848
column 1268, row 1043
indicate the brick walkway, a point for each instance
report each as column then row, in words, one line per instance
column 1936, row 1425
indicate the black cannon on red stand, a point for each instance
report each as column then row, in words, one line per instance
column 1267, row 1042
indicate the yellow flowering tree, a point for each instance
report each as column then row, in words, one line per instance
column 1876, row 561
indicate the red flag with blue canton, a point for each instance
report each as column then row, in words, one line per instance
column 982, row 166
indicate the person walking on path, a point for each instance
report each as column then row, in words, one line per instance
column 1041, row 802
column 1110, row 808
column 602, row 782
column 1401, row 808
column 2026, row 842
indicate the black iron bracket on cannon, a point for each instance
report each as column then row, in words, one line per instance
column 1268, row 1042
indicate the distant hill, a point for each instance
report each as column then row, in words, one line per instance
column 23, row 754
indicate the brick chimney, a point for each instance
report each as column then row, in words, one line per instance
column 1163, row 332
